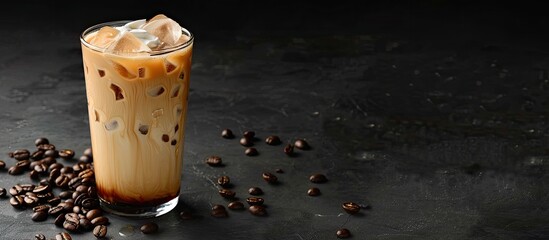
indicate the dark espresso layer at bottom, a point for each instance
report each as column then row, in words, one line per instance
column 115, row 199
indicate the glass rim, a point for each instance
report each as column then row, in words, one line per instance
column 98, row 26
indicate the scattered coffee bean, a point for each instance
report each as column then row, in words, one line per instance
column 38, row 154
column 149, row 228
column 88, row 152
column 350, row 207
column 246, row 142
column 273, row 140
column 39, row 236
column 85, row 159
column 62, row 181
column 302, row 144
column 255, row 191
column 40, row 141
column 278, row 170
column 255, row 201
column 289, row 150
column 219, row 211
column 2, row 165
column 343, row 233
column 55, row 211
column 236, row 205
column 85, row 223
column 21, row 154
column 101, row 220
column 54, row 201
column 269, row 177
column 66, row 154
column 41, row 208
column 63, row 236
column 34, row 175
column 41, row 189
column 100, row 231
column 94, row 213
column 15, row 170
column 185, row 215
column 226, row 193
column 227, row 133
column 46, row 147
column 249, row 134
column 223, row 181
column 24, row 164
column 39, row 216
column 59, row 220
column 313, row 192
column 51, row 153
column 3, row 193
column 214, row 161
column 17, row 202
column 251, row 151
column 257, row 210
column 318, row 178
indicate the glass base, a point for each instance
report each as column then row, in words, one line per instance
column 137, row 211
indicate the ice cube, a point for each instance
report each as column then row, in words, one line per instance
column 157, row 17
column 167, row 30
column 128, row 43
column 104, row 37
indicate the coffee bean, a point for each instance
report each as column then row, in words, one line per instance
column 31, row 201
column 219, row 211
column 41, row 189
column 257, row 210
column 350, row 207
column 313, row 192
column 54, row 201
column 66, row 170
column 90, row 203
column 100, row 231
column 85, row 224
column 273, row 140
column 59, row 220
column 57, row 166
column 39, row 216
column 88, row 152
column 255, row 191
column 101, row 220
column 249, row 134
column 223, row 181
column 66, row 154
column 44, row 182
column 86, row 173
column 149, row 228
column 15, row 170
column 343, row 233
column 38, row 154
column 236, row 205
column 269, row 177
column 302, row 144
column 94, row 213
column 34, row 175
column 227, row 133
column 246, row 142
column 75, row 182
column 46, row 147
column 82, row 189
column 21, row 154
column 278, row 170
column 63, row 236
column 16, row 190
column 62, row 181
column 318, row 178
column 92, row 191
column 40, row 141
column 3, row 193
column 54, row 211
column 214, row 161
column 39, row 236
column 255, row 201
column 85, row 159
column 251, row 152
column 11, row 155
column 44, row 196
column 2, row 165
column 51, row 153
column 289, row 150
column 41, row 208
column 48, row 161
column 24, row 164
column 17, row 202
column 226, row 193
column 185, row 215
column 76, row 209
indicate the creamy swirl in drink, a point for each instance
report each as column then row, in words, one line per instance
column 137, row 81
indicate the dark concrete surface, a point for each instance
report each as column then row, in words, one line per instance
column 432, row 113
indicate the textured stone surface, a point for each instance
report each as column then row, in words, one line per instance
column 434, row 116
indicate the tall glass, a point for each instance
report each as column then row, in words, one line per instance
column 137, row 105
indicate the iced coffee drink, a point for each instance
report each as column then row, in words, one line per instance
column 137, row 82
